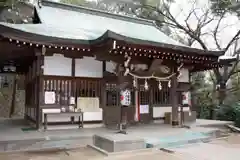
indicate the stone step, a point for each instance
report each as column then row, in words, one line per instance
column 38, row 144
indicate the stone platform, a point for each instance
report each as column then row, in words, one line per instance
column 12, row 138
column 118, row 142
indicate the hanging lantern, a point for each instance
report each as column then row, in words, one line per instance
column 160, row 86
column 146, row 85
column 169, row 83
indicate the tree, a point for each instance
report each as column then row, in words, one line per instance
column 13, row 11
column 220, row 6
column 206, row 27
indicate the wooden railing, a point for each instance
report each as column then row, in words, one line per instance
column 66, row 87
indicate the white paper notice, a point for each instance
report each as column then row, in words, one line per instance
column 88, row 104
column 144, row 109
column 49, row 98
column 72, row 100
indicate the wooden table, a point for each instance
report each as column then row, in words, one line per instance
column 70, row 114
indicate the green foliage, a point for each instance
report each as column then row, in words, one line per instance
column 204, row 112
column 220, row 6
column 229, row 113
column 10, row 3
column 202, row 95
column 237, row 113
column 226, row 113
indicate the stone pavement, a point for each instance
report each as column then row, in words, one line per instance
column 89, row 154
column 220, row 149
column 10, row 130
column 12, row 138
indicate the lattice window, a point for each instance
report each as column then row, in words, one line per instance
column 161, row 97
column 112, row 95
column 144, row 95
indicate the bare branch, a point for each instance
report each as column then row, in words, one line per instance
column 188, row 31
column 216, row 31
column 233, row 40
column 233, row 69
column 205, row 19
column 186, row 20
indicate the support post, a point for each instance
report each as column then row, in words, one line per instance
column 13, row 96
column 103, row 100
column 40, row 91
column 136, row 117
column 174, row 101
column 73, row 86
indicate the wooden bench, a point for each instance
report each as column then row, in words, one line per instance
column 70, row 114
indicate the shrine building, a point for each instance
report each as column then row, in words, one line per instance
column 76, row 58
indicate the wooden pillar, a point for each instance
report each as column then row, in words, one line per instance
column 40, row 90
column 14, row 88
column 136, row 93
column 73, row 67
column 174, row 101
column 104, row 68
column 103, row 97
column 73, row 82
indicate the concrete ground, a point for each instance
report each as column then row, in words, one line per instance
column 12, row 138
column 89, row 154
column 222, row 149
column 10, row 132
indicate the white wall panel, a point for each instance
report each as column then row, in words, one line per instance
column 110, row 67
column 160, row 111
column 57, row 65
column 88, row 67
column 184, row 75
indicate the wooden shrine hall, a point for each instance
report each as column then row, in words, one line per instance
column 79, row 59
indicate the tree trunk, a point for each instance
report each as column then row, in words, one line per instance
column 222, row 93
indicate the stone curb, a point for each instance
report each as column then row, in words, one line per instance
column 120, row 153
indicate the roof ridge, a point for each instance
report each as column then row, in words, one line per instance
column 96, row 12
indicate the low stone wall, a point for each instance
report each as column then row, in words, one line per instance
column 5, row 102
column 19, row 108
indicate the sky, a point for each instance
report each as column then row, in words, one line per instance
column 228, row 27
